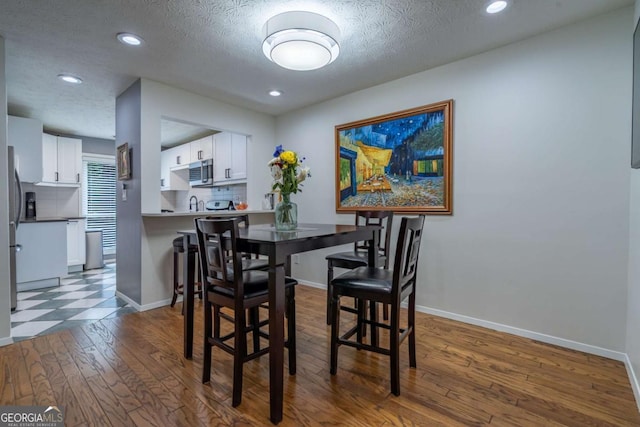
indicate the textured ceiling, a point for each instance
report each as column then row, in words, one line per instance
column 213, row 47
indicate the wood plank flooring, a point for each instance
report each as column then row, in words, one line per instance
column 129, row 371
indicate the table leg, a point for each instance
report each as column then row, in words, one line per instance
column 187, row 297
column 373, row 309
column 276, row 341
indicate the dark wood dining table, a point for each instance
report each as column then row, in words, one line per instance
column 277, row 246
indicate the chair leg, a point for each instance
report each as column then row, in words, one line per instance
column 394, row 348
column 206, row 363
column 373, row 317
column 385, row 311
column 361, row 308
column 239, row 354
column 198, row 274
column 291, row 329
column 254, row 320
column 329, row 291
column 175, row 279
column 412, row 331
column 335, row 324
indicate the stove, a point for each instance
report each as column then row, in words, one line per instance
column 219, row 205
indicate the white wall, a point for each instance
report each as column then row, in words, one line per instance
column 5, row 301
column 633, row 298
column 162, row 101
column 538, row 238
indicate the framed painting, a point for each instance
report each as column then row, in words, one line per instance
column 124, row 162
column 400, row 162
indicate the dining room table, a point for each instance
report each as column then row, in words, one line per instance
column 277, row 246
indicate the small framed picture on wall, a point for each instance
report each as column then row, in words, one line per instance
column 124, row 162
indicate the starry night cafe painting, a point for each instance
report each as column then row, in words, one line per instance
column 399, row 162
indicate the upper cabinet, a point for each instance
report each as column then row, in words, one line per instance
column 178, row 157
column 229, row 158
column 42, row 158
column 201, row 149
column 26, row 137
column 173, row 172
column 61, row 160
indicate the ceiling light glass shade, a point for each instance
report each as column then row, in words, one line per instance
column 301, row 41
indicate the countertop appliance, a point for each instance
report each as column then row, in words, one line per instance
column 219, row 205
column 201, row 173
column 15, row 211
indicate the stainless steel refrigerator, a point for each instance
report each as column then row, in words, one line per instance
column 15, row 211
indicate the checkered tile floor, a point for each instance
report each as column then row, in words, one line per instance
column 82, row 297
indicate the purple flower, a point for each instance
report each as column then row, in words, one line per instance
column 278, row 151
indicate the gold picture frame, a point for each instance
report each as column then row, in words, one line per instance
column 124, row 162
column 400, row 162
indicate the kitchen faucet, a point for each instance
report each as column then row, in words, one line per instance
column 192, row 203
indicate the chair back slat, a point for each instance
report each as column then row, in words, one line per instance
column 221, row 262
column 407, row 251
column 383, row 219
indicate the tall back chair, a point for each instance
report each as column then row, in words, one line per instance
column 249, row 261
column 385, row 286
column 226, row 284
column 359, row 256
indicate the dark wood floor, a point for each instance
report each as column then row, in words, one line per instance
column 130, row 371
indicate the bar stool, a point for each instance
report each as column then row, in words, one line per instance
column 178, row 248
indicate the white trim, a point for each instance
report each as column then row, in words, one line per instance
column 6, row 341
column 633, row 379
column 144, row 307
column 549, row 339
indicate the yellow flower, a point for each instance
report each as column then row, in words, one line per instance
column 289, row 157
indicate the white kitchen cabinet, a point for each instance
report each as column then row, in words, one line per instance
column 179, row 156
column 201, row 149
column 165, row 170
column 173, row 175
column 26, row 137
column 229, row 158
column 61, row 160
column 76, row 244
column 42, row 259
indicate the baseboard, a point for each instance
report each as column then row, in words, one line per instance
column 6, row 341
column 633, row 379
column 549, row 339
column 143, row 307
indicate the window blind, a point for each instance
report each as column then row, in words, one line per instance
column 99, row 200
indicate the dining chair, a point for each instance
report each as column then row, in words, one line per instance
column 227, row 285
column 358, row 257
column 385, row 286
column 249, row 261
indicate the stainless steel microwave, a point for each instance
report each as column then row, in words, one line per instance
column 201, row 173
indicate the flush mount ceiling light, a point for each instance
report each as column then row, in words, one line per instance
column 275, row 92
column 70, row 78
column 301, row 41
column 129, row 39
column 496, row 6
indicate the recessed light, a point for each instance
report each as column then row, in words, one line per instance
column 70, row 79
column 275, row 93
column 496, row 6
column 129, row 39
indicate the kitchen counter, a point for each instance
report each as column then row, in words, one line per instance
column 206, row 213
column 49, row 219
